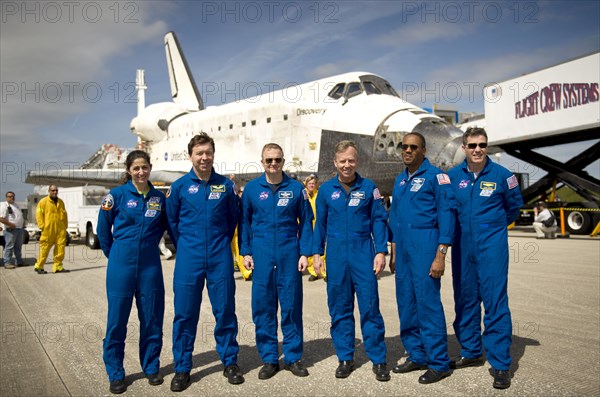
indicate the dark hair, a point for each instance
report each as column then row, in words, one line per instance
column 9, row 192
column 541, row 204
column 200, row 139
column 131, row 157
column 420, row 136
column 474, row 131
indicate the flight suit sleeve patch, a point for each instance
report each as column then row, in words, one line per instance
column 108, row 202
column 376, row 194
column 443, row 179
column 512, row 182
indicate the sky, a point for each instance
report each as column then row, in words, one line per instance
column 68, row 68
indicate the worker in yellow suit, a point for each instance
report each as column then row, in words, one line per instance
column 238, row 259
column 312, row 187
column 51, row 217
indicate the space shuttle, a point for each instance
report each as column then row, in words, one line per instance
column 307, row 120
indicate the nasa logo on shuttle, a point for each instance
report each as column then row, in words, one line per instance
column 335, row 195
column 132, row 203
column 263, row 196
column 193, row 189
column 166, row 156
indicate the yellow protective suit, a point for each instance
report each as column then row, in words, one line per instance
column 238, row 259
column 52, row 220
column 311, row 269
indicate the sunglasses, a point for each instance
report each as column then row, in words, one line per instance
column 275, row 160
column 482, row 145
column 412, row 147
column 54, row 190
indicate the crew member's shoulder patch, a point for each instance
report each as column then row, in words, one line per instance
column 305, row 194
column 443, row 179
column 376, row 194
column 108, row 202
column 513, row 182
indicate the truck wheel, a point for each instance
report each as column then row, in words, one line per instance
column 578, row 222
column 91, row 239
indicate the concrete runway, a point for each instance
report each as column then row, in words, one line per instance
column 52, row 326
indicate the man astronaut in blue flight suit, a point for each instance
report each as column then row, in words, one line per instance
column 203, row 210
column 352, row 222
column 422, row 223
column 275, row 240
column 488, row 200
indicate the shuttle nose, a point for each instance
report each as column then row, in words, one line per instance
column 443, row 141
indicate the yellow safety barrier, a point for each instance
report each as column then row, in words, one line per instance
column 596, row 230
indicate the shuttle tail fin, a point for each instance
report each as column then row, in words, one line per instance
column 183, row 87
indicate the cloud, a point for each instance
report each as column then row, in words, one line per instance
column 52, row 71
column 412, row 34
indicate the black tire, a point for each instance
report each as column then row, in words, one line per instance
column 578, row 222
column 91, row 240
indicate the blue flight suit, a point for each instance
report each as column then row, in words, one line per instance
column 486, row 206
column 354, row 227
column 129, row 229
column 276, row 230
column 203, row 216
column 421, row 218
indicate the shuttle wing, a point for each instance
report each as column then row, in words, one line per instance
column 103, row 177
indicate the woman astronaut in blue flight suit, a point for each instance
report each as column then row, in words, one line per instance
column 130, row 224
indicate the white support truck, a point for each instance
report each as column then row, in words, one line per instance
column 557, row 105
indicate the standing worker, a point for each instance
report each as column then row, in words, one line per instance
column 422, row 222
column 488, row 199
column 203, row 210
column 52, row 220
column 275, row 240
column 12, row 218
column 352, row 222
column 130, row 225
column 312, row 187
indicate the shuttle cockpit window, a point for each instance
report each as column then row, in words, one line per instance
column 337, row 91
column 371, row 88
column 382, row 86
column 353, row 90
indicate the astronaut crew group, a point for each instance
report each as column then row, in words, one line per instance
column 469, row 208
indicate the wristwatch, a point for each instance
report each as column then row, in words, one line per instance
column 443, row 250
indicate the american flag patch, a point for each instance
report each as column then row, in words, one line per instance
column 305, row 194
column 512, row 182
column 443, row 179
column 376, row 194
